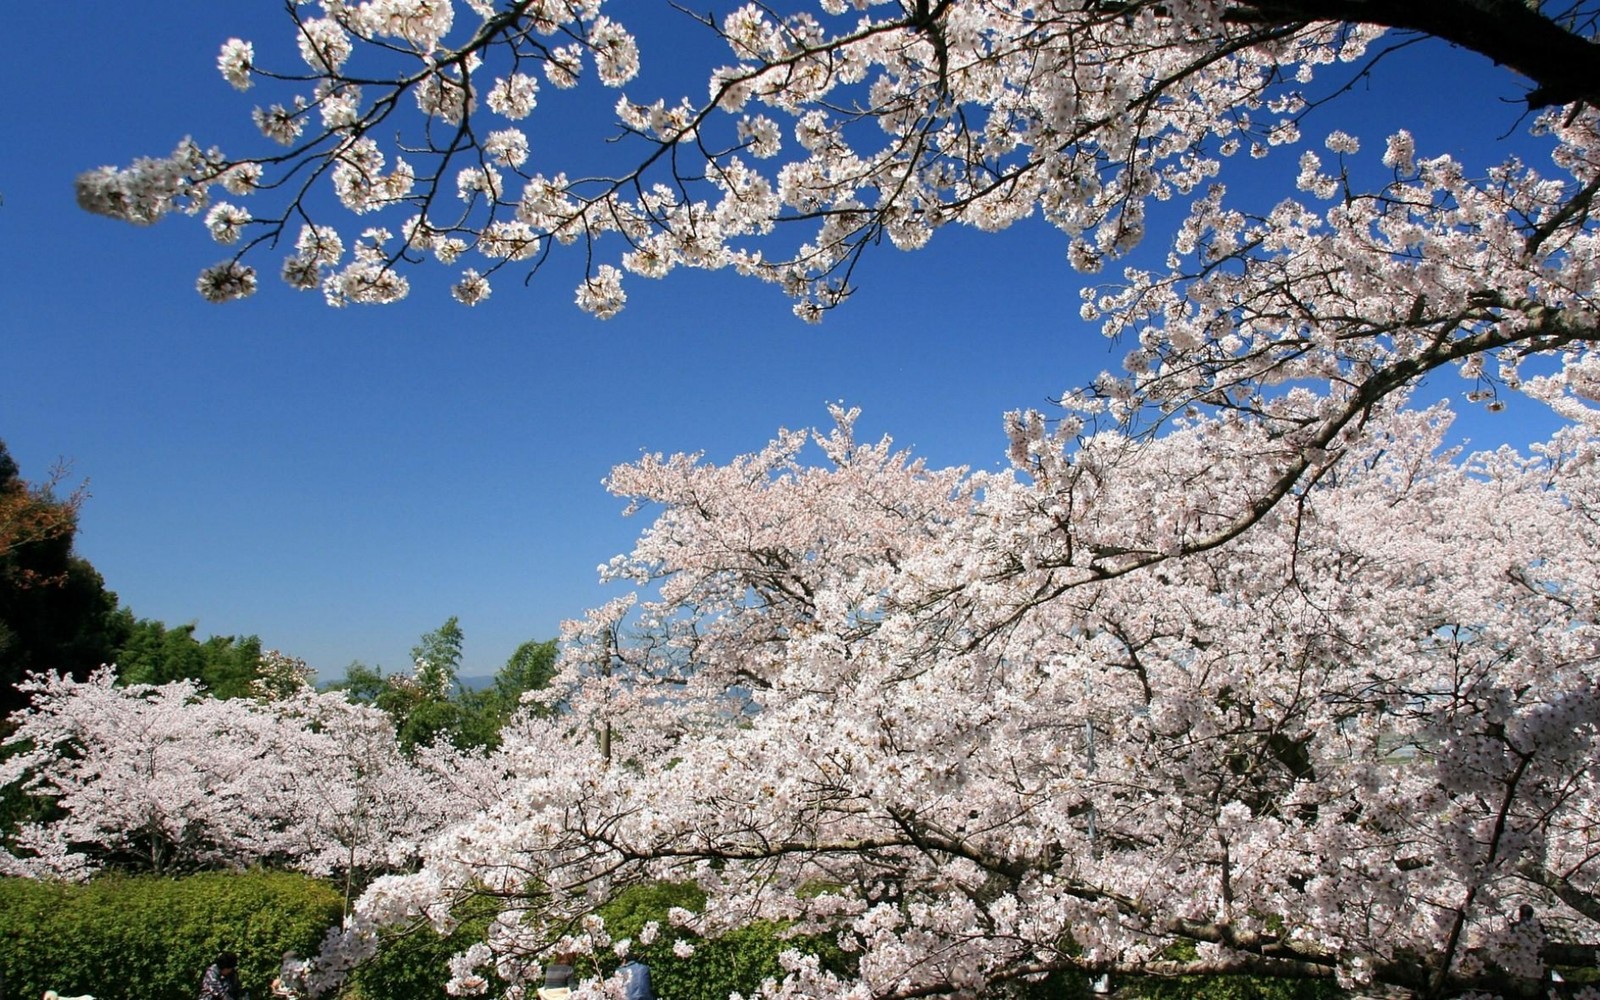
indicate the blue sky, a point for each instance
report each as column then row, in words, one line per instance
column 339, row 481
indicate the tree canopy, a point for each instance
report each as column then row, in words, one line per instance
column 431, row 704
column 55, row 611
column 227, row 666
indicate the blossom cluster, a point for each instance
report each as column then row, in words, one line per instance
column 174, row 780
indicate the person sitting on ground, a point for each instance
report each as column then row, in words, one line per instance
column 558, row 978
column 221, row 980
column 291, row 981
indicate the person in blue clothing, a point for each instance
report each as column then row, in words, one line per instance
column 636, row 980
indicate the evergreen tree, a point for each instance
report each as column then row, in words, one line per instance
column 55, row 610
column 155, row 654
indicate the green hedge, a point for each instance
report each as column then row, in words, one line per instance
column 150, row 938
column 416, row 965
column 735, row 962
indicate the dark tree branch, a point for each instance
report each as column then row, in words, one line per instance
column 1563, row 66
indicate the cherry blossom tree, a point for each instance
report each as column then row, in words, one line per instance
column 1237, row 655
column 920, row 710
column 163, row 778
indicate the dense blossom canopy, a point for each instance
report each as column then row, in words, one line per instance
column 925, row 711
column 163, row 778
column 1290, row 681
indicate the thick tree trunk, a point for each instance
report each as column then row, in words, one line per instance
column 1564, row 67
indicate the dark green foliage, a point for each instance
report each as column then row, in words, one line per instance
column 437, row 656
column 154, row 654
column 69, row 625
column 426, row 705
column 360, row 683
column 530, row 668
column 150, row 938
column 484, row 713
column 414, row 965
column 55, row 611
column 423, row 720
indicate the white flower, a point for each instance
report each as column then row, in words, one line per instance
column 319, row 244
column 1343, row 142
column 616, row 53
column 447, row 249
column 226, row 222
column 241, row 178
column 762, row 134
column 280, row 124
column 444, row 97
column 471, row 289
column 341, row 109
column 1401, row 152
column 226, row 281
column 653, row 258
column 324, row 45
column 235, row 62
column 507, row 146
column 471, row 180
column 420, row 22
column 564, row 65
column 301, row 274
column 365, row 283
column 514, row 96
column 508, row 240
column 602, row 295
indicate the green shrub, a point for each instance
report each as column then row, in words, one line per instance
column 150, row 938
column 415, row 965
column 735, row 962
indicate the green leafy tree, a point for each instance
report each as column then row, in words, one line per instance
column 437, row 656
column 485, row 712
column 425, row 706
column 153, row 653
column 360, row 683
column 432, row 704
column 530, row 668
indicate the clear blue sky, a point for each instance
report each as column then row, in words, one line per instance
column 339, row 481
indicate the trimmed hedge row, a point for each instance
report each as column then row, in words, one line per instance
column 415, row 965
column 150, row 938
